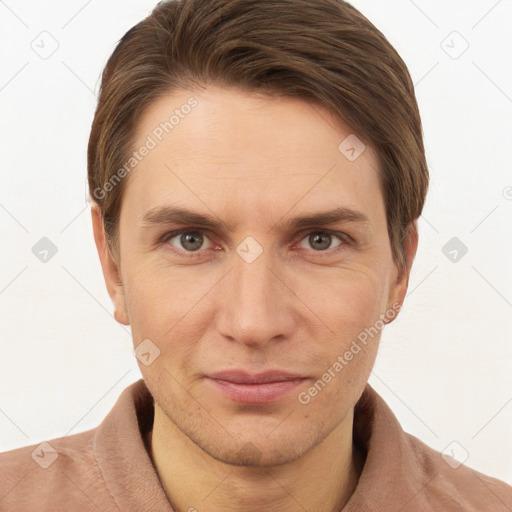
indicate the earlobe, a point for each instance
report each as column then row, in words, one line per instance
column 109, row 267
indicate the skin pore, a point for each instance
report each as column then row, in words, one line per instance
column 253, row 164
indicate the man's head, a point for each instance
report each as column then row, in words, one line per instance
column 258, row 115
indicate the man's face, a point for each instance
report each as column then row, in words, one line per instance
column 255, row 298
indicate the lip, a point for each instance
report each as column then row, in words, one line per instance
column 260, row 388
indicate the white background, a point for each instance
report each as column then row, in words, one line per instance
column 444, row 366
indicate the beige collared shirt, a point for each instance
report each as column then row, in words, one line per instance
column 109, row 468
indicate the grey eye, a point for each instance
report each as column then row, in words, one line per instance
column 321, row 241
column 188, row 240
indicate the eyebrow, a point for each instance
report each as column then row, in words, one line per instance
column 175, row 215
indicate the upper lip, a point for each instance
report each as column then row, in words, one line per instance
column 243, row 377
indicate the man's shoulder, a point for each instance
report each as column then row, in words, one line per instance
column 446, row 481
column 69, row 449
column 403, row 473
column 39, row 475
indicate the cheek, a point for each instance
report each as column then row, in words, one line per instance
column 351, row 309
column 347, row 300
column 350, row 304
column 163, row 306
column 151, row 300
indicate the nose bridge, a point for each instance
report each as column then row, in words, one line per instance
column 253, row 290
column 255, row 306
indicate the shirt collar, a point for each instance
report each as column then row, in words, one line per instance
column 122, row 456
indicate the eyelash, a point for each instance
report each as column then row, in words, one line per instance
column 345, row 240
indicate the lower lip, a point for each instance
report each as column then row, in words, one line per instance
column 256, row 393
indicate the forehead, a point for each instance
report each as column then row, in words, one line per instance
column 241, row 150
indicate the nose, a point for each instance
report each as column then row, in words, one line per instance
column 256, row 308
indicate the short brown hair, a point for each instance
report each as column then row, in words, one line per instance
column 322, row 51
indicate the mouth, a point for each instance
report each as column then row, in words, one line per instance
column 261, row 388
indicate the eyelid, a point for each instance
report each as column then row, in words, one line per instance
column 343, row 237
column 171, row 234
column 345, row 241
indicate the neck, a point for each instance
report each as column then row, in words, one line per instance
column 323, row 479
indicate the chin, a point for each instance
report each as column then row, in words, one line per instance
column 256, row 453
column 248, row 440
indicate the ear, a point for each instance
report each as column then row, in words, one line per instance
column 398, row 288
column 110, row 268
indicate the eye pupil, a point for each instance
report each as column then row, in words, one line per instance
column 317, row 237
column 194, row 238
